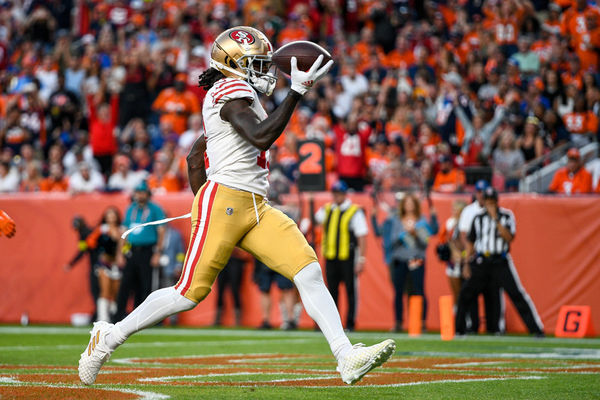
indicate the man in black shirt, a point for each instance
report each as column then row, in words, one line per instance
column 489, row 238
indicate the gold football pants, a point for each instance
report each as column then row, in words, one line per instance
column 223, row 218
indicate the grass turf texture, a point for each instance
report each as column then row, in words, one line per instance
column 41, row 362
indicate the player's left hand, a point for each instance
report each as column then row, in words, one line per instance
column 7, row 225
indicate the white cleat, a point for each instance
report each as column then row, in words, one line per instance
column 362, row 359
column 95, row 354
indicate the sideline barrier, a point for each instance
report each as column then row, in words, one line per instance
column 556, row 252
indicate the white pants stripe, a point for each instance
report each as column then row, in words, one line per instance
column 515, row 275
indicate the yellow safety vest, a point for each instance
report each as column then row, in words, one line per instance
column 336, row 232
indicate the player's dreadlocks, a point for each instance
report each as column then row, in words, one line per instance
column 209, row 77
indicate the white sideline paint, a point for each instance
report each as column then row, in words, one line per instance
column 164, row 344
column 143, row 394
column 471, row 364
column 199, row 332
column 584, row 354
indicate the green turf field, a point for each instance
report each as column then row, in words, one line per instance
column 41, row 363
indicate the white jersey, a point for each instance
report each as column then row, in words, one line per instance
column 467, row 215
column 230, row 159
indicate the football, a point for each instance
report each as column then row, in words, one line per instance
column 305, row 52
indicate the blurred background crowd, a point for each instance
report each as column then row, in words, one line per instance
column 100, row 95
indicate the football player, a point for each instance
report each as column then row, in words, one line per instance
column 228, row 171
column 7, row 225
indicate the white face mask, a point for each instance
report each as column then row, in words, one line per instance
column 264, row 84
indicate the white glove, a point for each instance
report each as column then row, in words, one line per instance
column 302, row 81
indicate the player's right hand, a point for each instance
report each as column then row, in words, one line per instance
column 302, row 81
column 7, row 225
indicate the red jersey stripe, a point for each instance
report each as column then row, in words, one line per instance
column 232, row 91
column 222, row 89
column 220, row 86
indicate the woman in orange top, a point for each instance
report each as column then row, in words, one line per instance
column 398, row 126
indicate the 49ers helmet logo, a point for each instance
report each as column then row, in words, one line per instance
column 242, row 37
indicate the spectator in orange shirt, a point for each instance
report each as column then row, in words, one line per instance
column 573, row 22
column 580, row 121
column 448, row 179
column 552, row 23
column 292, row 31
column 377, row 159
column 574, row 76
column 398, row 128
column 402, row 56
column 573, row 178
column 587, row 44
column 56, row 182
column 161, row 179
column 176, row 104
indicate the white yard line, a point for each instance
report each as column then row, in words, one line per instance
column 202, row 376
column 470, row 364
column 429, row 382
column 143, row 395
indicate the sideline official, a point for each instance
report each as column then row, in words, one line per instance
column 344, row 244
column 491, row 296
column 489, row 239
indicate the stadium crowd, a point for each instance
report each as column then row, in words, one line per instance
column 99, row 95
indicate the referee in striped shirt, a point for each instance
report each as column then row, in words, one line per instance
column 491, row 233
